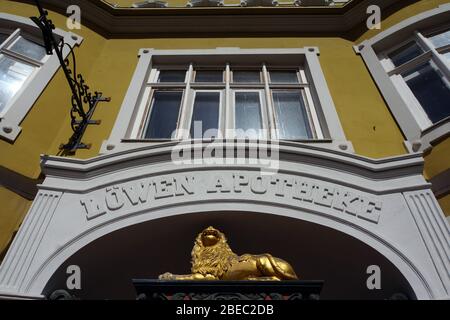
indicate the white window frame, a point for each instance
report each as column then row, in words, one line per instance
column 14, row 113
column 190, row 110
column 124, row 135
column 7, row 52
column 262, row 108
column 419, row 131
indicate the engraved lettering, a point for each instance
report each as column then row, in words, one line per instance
column 324, row 196
column 239, row 180
column 259, row 185
column 280, row 185
column 370, row 211
column 303, row 191
column 114, row 198
column 347, row 202
column 137, row 192
column 93, row 208
column 219, row 184
column 184, row 185
column 163, row 188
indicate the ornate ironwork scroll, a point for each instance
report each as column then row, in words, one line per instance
column 83, row 101
column 148, row 289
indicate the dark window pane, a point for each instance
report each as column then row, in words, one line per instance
column 292, row 119
column 29, row 48
column 431, row 91
column 172, row 76
column 405, row 54
column 205, row 115
column 248, row 113
column 283, row 76
column 209, row 76
column 3, row 37
column 164, row 114
column 246, row 76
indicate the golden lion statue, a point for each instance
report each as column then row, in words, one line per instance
column 212, row 259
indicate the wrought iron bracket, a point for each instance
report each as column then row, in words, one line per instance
column 83, row 101
column 81, row 125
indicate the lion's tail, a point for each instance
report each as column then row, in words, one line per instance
column 283, row 274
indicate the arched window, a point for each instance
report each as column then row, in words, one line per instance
column 25, row 69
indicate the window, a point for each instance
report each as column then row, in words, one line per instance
column 410, row 63
column 193, row 100
column 227, row 93
column 20, row 58
column 420, row 70
column 25, row 69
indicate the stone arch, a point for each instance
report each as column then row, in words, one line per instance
column 390, row 252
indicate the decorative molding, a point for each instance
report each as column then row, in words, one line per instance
column 21, row 254
column 434, row 230
column 116, row 22
column 22, row 103
column 75, row 204
column 148, row 289
column 395, row 173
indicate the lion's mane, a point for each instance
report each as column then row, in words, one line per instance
column 214, row 260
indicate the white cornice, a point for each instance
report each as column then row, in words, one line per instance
column 375, row 175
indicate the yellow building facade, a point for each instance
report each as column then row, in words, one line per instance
column 371, row 133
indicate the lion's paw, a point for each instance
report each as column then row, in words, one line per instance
column 166, row 276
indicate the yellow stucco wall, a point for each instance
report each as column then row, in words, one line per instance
column 50, row 113
column 108, row 66
column 12, row 212
column 444, row 202
column 438, row 159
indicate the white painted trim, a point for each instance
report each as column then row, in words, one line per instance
column 331, row 130
column 12, row 118
column 57, row 226
column 418, row 132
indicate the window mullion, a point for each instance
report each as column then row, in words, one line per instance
column 436, row 56
column 312, row 109
column 270, row 111
column 22, row 58
column 10, row 39
column 229, row 110
column 183, row 121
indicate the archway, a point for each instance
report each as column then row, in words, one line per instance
column 147, row 249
